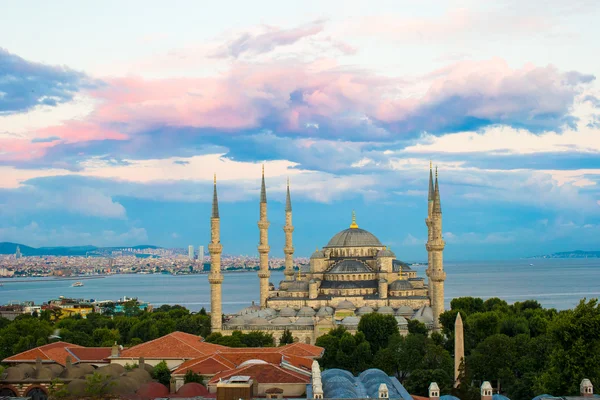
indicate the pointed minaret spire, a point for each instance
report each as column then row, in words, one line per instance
column 437, row 204
column 430, row 195
column 288, row 228
column 288, row 199
column 263, row 189
column 215, row 204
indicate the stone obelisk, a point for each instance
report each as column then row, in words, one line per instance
column 459, row 348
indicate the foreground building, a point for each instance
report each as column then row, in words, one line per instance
column 281, row 370
column 352, row 275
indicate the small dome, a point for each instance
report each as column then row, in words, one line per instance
column 122, row 385
column 386, row 253
column 14, row 374
column 385, row 310
column 152, row 390
column 306, row 312
column 287, row 312
column 192, row 389
column 304, row 321
column 317, row 254
column 139, row 375
column 401, row 320
column 57, row 369
column 325, row 311
column 401, row 284
column 281, row 321
column 298, row 286
column 258, row 321
column 86, row 369
column 266, row 313
column 345, row 305
column 499, row 397
column 45, row 374
column 249, row 310
column 350, row 321
column 76, row 372
column 405, row 311
column 236, row 321
column 364, row 310
column 354, row 237
column 27, row 369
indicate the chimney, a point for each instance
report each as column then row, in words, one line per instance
column 383, row 391
column 68, row 363
column 434, row 391
column 115, row 350
column 486, row 391
column 586, row 388
column 141, row 363
column 38, row 365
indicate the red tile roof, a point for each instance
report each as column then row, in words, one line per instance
column 208, row 365
column 89, row 354
column 172, row 346
column 302, row 349
column 53, row 352
column 304, row 363
column 264, row 373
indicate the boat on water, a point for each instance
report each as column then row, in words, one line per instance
column 77, row 284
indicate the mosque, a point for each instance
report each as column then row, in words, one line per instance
column 353, row 275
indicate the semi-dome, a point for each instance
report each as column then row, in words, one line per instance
column 354, row 237
column 401, row 284
column 236, row 321
column 401, row 320
column 349, row 267
column 350, row 321
column 305, row 321
column 192, row 389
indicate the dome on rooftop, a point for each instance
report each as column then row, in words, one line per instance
column 349, row 266
column 405, row 311
column 364, row 310
column 306, row 312
column 304, row 321
column 192, row 389
column 354, row 237
column 385, row 310
column 258, row 321
column 236, row 321
column 401, row 284
column 318, row 254
column 325, row 311
column 298, row 286
column 281, row 321
column 251, row 362
column 351, row 321
column 287, row 312
column 385, row 253
column 153, row 390
column 401, row 320
column 346, row 305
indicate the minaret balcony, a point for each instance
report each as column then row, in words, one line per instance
column 264, row 274
column 288, row 229
column 264, row 248
column 215, row 279
column 437, row 275
column 215, row 248
column 263, row 224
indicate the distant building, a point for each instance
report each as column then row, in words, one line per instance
column 191, row 252
column 201, row 255
column 18, row 253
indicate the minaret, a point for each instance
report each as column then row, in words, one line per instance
column 459, row 347
column 288, row 250
column 263, row 247
column 435, row 246
column 215, row 278
column 428, row 220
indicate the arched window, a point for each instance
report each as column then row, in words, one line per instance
column 8, row 392
column 37, row 393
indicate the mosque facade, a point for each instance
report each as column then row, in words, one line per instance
column 352, row 275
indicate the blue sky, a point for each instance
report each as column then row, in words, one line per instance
column 114, row 117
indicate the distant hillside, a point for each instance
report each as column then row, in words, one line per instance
column 572, row 254
column 11, row 248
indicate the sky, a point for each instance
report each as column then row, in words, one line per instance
column 114, row 116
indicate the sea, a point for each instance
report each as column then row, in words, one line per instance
column 555, row 283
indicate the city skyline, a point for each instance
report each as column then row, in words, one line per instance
column 112, row 138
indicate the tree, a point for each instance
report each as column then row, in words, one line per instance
column 191, row 376
column 97, row 385
column 286, row 338
column 417, row 327
column 378, row 329
column 162, row 373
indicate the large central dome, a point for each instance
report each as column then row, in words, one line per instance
column 354, row 237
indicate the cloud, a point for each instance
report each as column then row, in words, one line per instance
column 253, row 44
column 25, row 84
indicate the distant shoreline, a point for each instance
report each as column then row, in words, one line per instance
column 47, row 279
